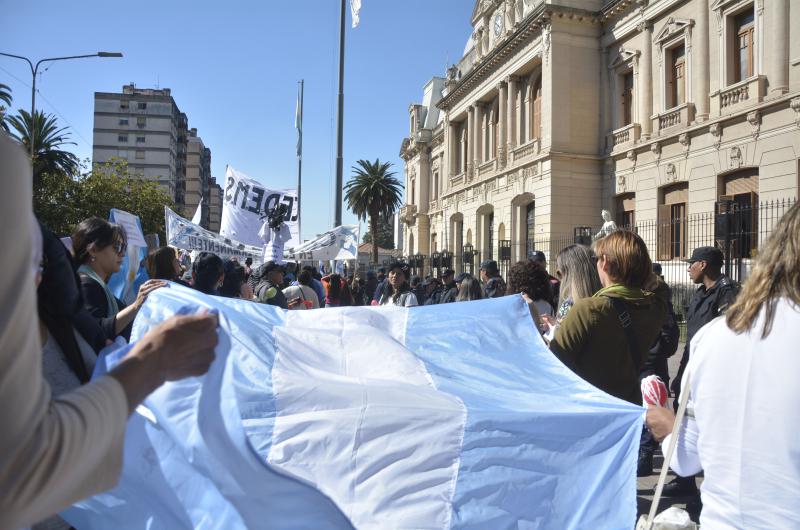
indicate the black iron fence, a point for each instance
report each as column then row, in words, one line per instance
column 737, row 228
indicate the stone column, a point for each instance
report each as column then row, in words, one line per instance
column 477, row 109
column 646, row 81
column 511, row 82
column 470, row 140
column 501, row 123
column 605, row 100
column 778, row 56
column 701, row 75
column 452, row 148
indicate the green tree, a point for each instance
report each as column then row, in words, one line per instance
column 385, row 237
column 373, row 192
column 5, row 104
column 62, row 202
column 48, row 140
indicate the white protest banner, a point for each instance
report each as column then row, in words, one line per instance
column 341, row 243
column 246, row 203
column 184, row 234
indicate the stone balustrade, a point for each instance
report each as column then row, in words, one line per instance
column 682, row 115
column 526, row 150
column 732, row 98
column 626, row 135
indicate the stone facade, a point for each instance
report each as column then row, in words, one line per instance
column 145, row 127
column 654, row 110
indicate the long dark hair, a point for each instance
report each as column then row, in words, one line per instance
column 59, row 299
column 388, row 290
column 97, row 231
column 234, row 278
column 207, row 269
column 160, row 264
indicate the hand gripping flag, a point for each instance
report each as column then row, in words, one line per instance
column 434, row 417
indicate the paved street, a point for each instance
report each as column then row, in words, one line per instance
column 645, row 487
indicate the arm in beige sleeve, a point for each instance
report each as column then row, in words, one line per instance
column 52, row 453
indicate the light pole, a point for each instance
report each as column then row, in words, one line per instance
column 35, row 70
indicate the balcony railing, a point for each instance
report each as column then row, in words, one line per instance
column 625, row 135
column 731, row 98
column 526, row 150
column 434, row 205
column 682, row 115
column 486, row 167
column 408, row 212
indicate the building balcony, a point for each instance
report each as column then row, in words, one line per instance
column 455, row 180
column 408, row 213
column 625, row 136
column 487, row 167
column 680, row 116
column 733, row 98
column 526, row 150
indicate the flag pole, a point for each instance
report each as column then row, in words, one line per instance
column 299, row 126
column 337, row 220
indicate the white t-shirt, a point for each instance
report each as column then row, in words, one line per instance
column 746, row 402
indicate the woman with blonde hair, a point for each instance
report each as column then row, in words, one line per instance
column 741, row 378
column 576, row 270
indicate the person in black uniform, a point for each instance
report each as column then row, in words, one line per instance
column 268, row 290
column 712, row 298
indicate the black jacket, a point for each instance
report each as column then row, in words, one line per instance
column 94, row 299
column 278, row 299
column 449, row 294
column 708, row 304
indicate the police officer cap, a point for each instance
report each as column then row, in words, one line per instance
column 489, row 265
column 271, row 266
column 711, row 255
column 447, row 272
column 460, row 277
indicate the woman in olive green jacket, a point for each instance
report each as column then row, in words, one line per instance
column 592, row 340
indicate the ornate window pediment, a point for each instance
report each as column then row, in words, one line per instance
column 672, row 28
column 625, row 58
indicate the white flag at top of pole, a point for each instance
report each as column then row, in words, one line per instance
column 355, row 7
column 198, row 214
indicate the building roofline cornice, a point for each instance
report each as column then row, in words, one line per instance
column 529, row 27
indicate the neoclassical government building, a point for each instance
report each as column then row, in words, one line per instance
column 654, row 110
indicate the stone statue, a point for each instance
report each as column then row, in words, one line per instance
column 608, row 225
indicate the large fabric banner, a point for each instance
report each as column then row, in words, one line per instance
column 132, row 274
column 341, row 243
column 434, row 417
column 247, row 201
column 186, row 235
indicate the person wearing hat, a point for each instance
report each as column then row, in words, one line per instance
column 450, row 289
column 269, row 289
column 396, row 290
column 712, row 298
column 493, row 284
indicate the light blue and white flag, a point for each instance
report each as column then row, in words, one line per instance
column 453, row 416
column 126, row 282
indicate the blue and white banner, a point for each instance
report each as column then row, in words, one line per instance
column 340, row 243
column 125, row 283
column 187, row 235
column 437, row 417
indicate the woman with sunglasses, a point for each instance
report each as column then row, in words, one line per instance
column 99, row 248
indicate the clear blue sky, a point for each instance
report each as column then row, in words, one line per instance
column 233, row 69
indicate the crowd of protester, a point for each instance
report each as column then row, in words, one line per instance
column 606, row 314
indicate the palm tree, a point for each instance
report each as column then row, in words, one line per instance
column 373, row 192
column 47, row 140
column 5, row 104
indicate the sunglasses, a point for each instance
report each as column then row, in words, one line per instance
column 120, row 248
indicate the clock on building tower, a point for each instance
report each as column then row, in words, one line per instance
column 498, row 24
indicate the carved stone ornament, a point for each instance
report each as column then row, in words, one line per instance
column 795, row 106
column 754, row 119
column 671, row 173
column 716, row 131
column 655, row 148
column 684, row 140
column 631, row 156
column 546, row 44
column 735, row 156
column 621, row 183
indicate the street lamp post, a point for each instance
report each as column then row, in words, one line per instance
column 34, row 71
